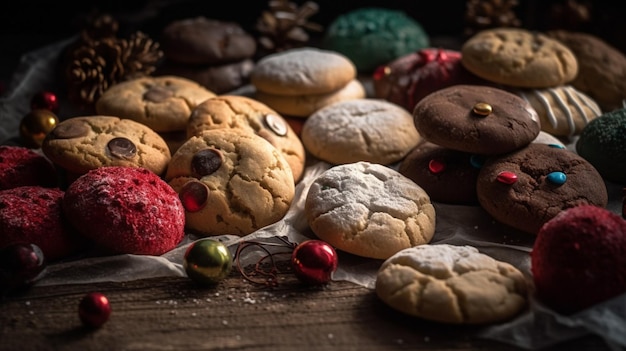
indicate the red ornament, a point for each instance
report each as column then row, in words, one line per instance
column 314, row 262
column 381, row 72
column 507, row 177
column 20, row 266
column 94, row 310
column 45, row 100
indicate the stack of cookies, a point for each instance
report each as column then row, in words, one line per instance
column 298, row 82
column 216, row 54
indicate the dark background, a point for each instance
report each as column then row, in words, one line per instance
column 27, row 25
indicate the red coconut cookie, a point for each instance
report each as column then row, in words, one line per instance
column 20, row 166
column 579, row 258
column 126, row 210
column 33, row 215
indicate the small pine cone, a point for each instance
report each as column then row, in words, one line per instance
column 140, row 55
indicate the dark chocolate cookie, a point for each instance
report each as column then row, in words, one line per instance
column 526, row 188
column 476, row 119
column 447, row 175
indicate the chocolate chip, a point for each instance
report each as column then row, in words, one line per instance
column 206, row 161
column 70, row 129
column 276, row 124
column 122, row 148
column 157, row 94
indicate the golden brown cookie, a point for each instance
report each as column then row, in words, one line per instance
column 451, row 284
column 303, row 106
column 162, row 103
column 369, row 210
column 519, row 57
column 81, row 144
column 247, row 114
column 230, row 182
column 372, row 130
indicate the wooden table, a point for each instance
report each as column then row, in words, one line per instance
column 174, row 313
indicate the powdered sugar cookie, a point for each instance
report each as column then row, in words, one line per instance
column 369, row 210
column 451, row 284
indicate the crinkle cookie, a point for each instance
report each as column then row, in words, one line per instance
column 230, row 182
column 369, row 210
column 372, row 130
column 451, row 284
column 21, row 166
column 80, row 144
column 519, row 58
column 246, row 114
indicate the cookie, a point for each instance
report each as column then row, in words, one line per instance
column 448, row 176
column 127, row 210
column 247, row 114
column 579, row 259
column 80, row 144
column 452, row 284
column 603, row 143
column 520, row 58
column 230, row 182
column 601, row 68
column 32, row 214
column 162, row 103
column 369, row 210
column 526, row 188
column 372, row 36
column 372, row 130
column 302, row 71
column 205, row 41
column 21, row 166
column 219, row 79
column 409, row 78
column 476, row 119
column 302, row 106
column 563, row 111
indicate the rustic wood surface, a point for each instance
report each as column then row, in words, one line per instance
column 175, row 314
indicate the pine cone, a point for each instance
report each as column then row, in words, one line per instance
column 96, row 65
column 285, row 25
column 485, row 14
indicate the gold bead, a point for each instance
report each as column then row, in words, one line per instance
column 35, row 125
column 482, row 109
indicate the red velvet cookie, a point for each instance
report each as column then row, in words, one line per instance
column 21, row 166
column 33, row 215
column 579, row 258
column 126, row 210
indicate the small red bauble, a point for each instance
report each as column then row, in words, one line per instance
column 20, row 266
column 45, row 100
column 94, row 310
column 314, row 262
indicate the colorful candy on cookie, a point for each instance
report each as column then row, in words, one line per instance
column 128, row 210
column 578, row 259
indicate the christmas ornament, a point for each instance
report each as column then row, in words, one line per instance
column 207, row 261
column 45, row 100
column 94, row 310
column 35, row 125
column 20, row 266
column 314, row 262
